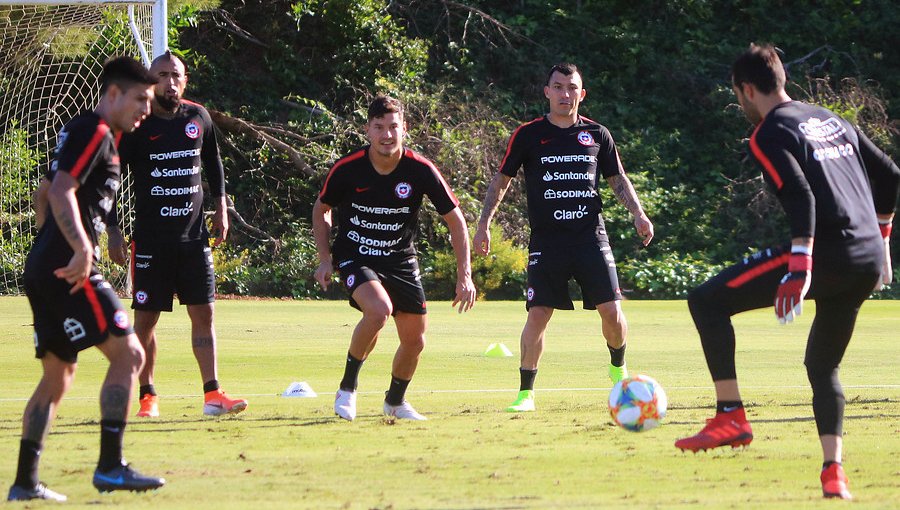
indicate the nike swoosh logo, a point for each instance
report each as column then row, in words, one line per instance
column 546, row 141
column 360, row 190
column 119, row 480
column 154, row 137
column 729, row 409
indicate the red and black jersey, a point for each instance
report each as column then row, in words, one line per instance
column 377, row 214
column 820, row 167
column 561, row 177
column 86, row 150
column 165, row 158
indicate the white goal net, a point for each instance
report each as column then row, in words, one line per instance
column 51, row 55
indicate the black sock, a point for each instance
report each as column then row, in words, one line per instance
column 616, row 356
column 29, row 456
column 112, row 433
column 396, row 392
column 526, row 379
column 211, row 385
column 726, row 406
column 827, row 464
column 351, row 373
column 147, row 390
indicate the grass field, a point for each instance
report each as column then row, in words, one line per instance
column 294, row 453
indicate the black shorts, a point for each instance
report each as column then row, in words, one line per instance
column 592, row 265
column 160, row 270
column 401, row 281
column 66, row 324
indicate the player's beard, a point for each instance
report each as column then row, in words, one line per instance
column 168, row 103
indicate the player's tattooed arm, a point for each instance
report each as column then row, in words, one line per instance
column 624, row 191
column 495, row 192
column 64, row 206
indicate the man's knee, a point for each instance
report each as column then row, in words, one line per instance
column 610, row 312
column 378, row 312
column 201, row 315
column 126, row 351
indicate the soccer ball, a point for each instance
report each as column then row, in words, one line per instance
column 637, row 403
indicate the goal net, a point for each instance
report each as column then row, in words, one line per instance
column 51, row 56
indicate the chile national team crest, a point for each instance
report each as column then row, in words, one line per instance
column 192, row 130
column 585, row 138
column 403, row 190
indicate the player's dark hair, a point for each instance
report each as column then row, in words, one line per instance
column 124, row 72
column 564, row 68
column 168, row 55
column 761, row 67
column 382, row 105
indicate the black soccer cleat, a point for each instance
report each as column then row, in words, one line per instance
column 124, row 478
column 39, row 491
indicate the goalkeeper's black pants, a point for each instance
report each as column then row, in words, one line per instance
column 752, row 284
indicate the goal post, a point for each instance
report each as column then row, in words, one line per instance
column 51, row 56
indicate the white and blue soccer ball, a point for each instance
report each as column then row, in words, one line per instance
column 637, row 403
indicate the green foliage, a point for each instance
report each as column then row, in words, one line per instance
column 670, row 276
column 470, row 72
column 282, row 270
column 18, row 180
column 499, row 275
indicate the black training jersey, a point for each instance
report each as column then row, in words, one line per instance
column 561, row 177
column 164, row 157
column 816, row 163
column 86, row 150
column 377, row 213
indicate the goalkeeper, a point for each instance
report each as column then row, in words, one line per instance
column 820, row 168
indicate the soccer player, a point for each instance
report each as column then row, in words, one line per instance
column 820, row 168
column 74, row 307
column 170, row 250
column 563, row 156
column 378, row 191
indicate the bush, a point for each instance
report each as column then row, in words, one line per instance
column 670, row 276
column 499, row 275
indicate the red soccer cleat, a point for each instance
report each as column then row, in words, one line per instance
column 834, row 482
column 726, row 429
column 218, row 403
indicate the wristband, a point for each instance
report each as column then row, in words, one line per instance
column 886, row 226
column 800, row 262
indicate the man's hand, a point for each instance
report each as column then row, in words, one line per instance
column 118, row 252
column 482, row 240
column 465, row 294
column 323, row 274
column 644, row 228
column 77, row 271
column 220, row 223
column 793, row 288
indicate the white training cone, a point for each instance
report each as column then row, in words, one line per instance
column 299, row 389
column 498, row 350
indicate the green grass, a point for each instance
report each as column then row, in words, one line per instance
column 293, row 453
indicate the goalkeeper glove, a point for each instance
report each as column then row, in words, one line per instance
column 887, row 272
column 794, row 285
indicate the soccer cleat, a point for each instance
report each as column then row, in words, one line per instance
column 345, row 404
column 149, row 406
column 524, row 402
column 124, row 478
column 404, row 411
column 726, row 429
column 834, row 482
column 217, row 403
column 616, row 374
column 39, row 491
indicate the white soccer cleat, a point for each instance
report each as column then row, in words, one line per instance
column 402, row 412
column 345, row 404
